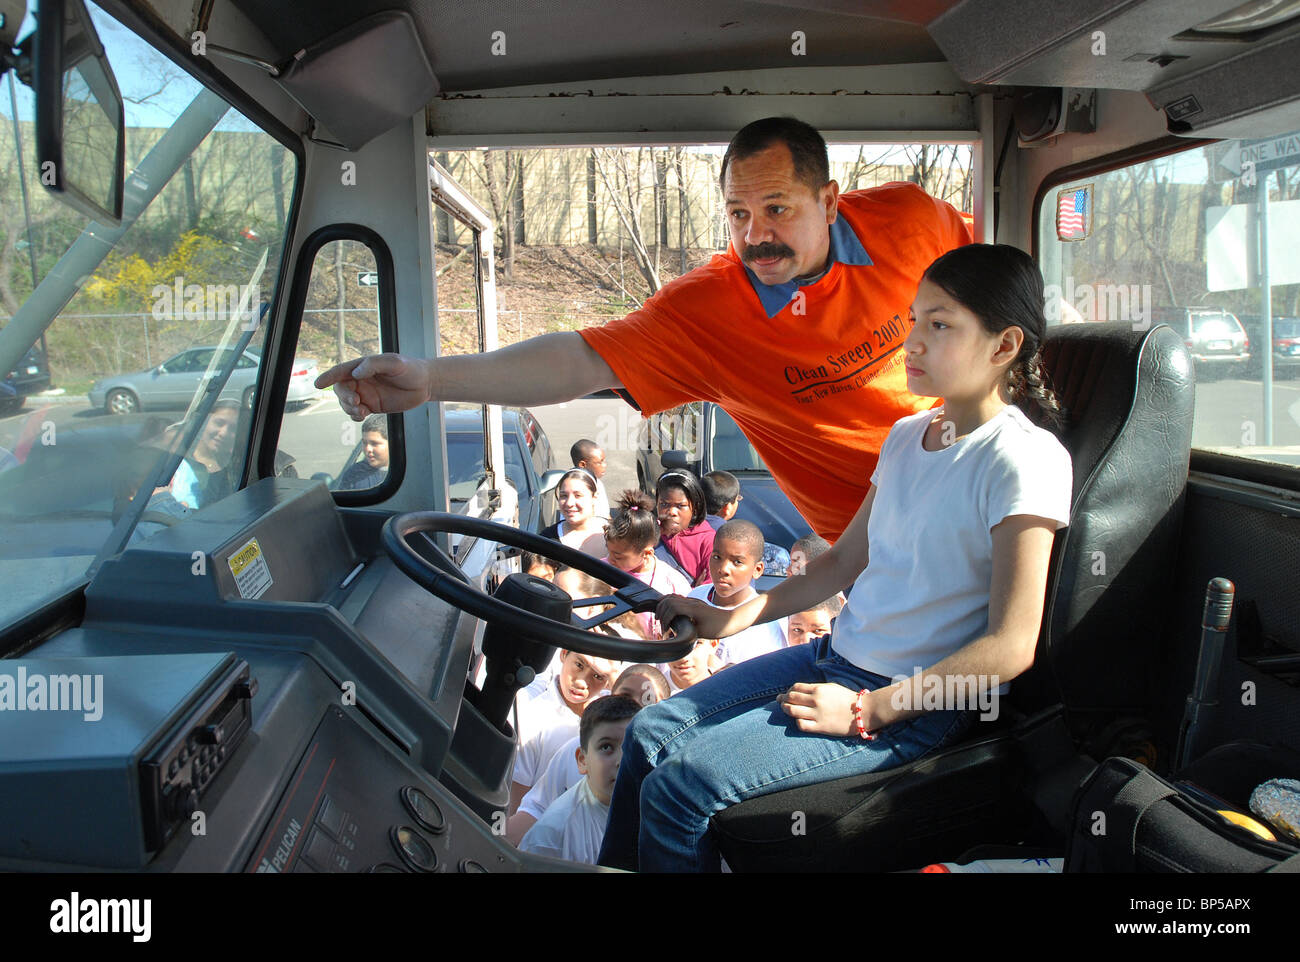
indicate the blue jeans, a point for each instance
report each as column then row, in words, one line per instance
column 726, row 739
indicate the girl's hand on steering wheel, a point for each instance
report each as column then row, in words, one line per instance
column 826, row 708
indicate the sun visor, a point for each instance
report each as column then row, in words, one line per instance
column 1255, row 94
column 363, row 80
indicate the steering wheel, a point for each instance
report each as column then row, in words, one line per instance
column 449, row 583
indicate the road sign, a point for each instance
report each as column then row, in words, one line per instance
column 368, row 278
column 1245, row 158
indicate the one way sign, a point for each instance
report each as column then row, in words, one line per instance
column 1248, row 157
column 368, row 278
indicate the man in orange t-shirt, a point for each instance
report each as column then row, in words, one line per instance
column 796, row 331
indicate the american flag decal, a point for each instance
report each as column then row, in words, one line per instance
column 1073, row 217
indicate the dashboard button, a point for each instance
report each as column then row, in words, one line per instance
column 331, row 816
column 425, row 810
column 414, row 849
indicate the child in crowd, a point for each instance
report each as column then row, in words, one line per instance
column 736, row 560
column 721, row 497
column 578, row 585
column 950, row 551
column 578, row 527
column 589, row 456
column 698, row 664
column 685, row 538
column 814, row 622
column 539, row 566
column 574, row 825
column 630, row 539
column 806, row 550
column 644, row 684
column 372, row 469
column 547, row 720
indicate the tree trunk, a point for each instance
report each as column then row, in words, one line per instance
column 517, row 198
column 277, row 182
column 660, row 160
column 682, row 208
column 340, row 302
column 593, row 237
column 191, row 198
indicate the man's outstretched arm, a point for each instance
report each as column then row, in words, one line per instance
column 542, row 370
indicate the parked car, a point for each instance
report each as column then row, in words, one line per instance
column 173, row 383
column 31, row 376
column 1286, row 343
column 1215, row 337
column 702, row 437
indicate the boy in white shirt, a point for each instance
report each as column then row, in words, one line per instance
column 574, row 826
column 590, row 456
column 814, row 622
column 736, row 560
column 548, row 720
column 645, row 685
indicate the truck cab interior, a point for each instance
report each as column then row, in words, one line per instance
column 293, row 677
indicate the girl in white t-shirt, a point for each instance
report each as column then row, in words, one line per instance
column 960, row 517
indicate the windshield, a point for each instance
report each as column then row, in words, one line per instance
column 136, row 410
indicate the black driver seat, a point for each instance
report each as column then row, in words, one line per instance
column 1128, row 397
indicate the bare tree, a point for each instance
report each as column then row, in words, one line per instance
column 622, row 179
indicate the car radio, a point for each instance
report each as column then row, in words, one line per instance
column 102, row 759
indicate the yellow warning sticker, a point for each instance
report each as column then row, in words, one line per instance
column 252, row 574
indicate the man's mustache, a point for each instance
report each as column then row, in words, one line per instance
column 764, row 251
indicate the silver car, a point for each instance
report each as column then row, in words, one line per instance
column 174, row 382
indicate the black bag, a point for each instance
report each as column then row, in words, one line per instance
column 1127, row 819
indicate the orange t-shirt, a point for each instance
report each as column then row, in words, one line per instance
column 815, row 388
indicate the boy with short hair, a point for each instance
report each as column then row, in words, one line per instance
column 805, row 550
column 695, row 666
column 814, row 622
column 550, row 718
column 645, row 685
column 589, row 456
column 721, row 497
column 372, row 469
column 574, row 826
column 736, row 560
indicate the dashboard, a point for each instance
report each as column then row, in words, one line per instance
column 274, row 696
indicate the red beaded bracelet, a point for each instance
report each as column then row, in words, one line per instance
column 857, row 718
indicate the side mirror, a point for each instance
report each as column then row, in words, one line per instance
column 678, row 460
column 550, row 480
column 80, row 126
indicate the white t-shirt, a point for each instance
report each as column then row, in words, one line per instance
column 545, row 723
column 753, row 641
column 925, row 592
column 560, row 775
column 572, row 828
column 602, row 501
